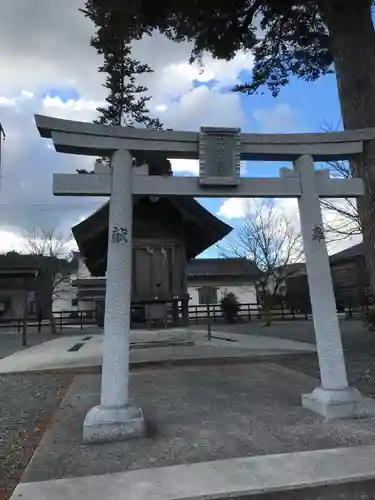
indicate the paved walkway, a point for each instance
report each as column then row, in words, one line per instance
column 11, row 340
column 162, row 345
column 221, row 479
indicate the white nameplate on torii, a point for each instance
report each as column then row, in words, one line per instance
column 219, row 156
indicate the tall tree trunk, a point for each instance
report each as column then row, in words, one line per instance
column 352, row 38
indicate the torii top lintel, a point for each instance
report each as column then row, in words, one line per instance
column 96, row 140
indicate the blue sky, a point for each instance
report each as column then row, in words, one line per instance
column 315, row 104
column 64, row 93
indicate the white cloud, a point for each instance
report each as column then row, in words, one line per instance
column 235, row 209
column 46, row 43
column 11, row 241
column 7, row 101
column 201, row 106
column 227, row 73
column 179, row 77
column 15, row 242
column 73, row 109
column 17, row 100
column 46, row 48
column 280, row 119
column 185, row 166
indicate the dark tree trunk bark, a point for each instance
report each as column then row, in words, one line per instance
column 352, row 38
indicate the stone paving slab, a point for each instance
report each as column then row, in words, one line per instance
column 194, row 415
column 55, row 354
column 222, row 479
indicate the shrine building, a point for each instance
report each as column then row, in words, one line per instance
column 167, row 233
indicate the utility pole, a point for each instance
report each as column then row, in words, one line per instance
column 2, row 138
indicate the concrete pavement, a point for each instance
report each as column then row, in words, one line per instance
column 235, row 478
column 162, row 345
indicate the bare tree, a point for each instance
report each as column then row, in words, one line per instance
column 57, row 262
column 271, row 241
column 341, row 217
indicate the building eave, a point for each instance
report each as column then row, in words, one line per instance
column 203, row 230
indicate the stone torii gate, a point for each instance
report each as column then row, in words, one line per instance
column 219, row 151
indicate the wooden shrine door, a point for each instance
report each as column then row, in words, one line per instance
column 157, row 272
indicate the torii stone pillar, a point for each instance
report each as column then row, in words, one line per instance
column 333, row 398
column 115, row 418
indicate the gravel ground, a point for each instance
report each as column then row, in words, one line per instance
column 27, row 403
column 360, row 366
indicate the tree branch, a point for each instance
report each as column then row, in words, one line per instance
column 269, row 241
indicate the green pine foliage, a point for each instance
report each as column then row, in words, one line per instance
column 287, row 38
column 126, row 100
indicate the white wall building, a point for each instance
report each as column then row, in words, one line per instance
column 65, row 294
column 210, row 279
column 207, row 280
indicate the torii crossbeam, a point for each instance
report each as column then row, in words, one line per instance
column 219, row 151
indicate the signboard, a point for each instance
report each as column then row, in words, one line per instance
column 2, row 138
column 219, row 156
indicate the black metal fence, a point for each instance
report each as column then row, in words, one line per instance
column 246, row 312
column 61, row 318
column 281, row 311
column 74, row 318
column 32, row 321
column 197, row 314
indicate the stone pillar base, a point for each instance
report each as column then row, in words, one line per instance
column 345, row 403
column 103, row 424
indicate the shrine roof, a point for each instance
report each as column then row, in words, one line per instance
column 18, row 272
column 233, row 267
column 201, row 230
column 347, row 254
column 338, row 258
